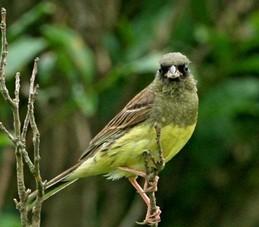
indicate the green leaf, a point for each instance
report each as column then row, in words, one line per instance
column 30, row 18
column 22, row 52
column 245, row 65
column 146, row 64
column 201, row 34
column 85, row 100
column 73, row 46
column 9, row 220
column 218, row 112
column 229, row 98
column 47, row 66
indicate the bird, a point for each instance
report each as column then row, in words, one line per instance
column 166, row 110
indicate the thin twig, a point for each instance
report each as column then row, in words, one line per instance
column 17, row 88
column 36, row 147
column 4, row 52
column 31, row 96
column 19, row 155
column 6, row 131
column 21, row 206
column 28, row 160
column 25, row 125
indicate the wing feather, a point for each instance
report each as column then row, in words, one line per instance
column 136, row 111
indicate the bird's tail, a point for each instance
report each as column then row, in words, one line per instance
column 55, row 185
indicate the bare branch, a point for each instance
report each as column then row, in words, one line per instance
column 32, row 93
column 4, row 52
column 36, row 147
column 25, row 125
column 28, row 161
column 21, row 188
column 17, row 87
column 33, row 75
column 6, row 131
column 19, row 136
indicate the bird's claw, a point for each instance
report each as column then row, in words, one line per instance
column 151, row 186
column 151, row 218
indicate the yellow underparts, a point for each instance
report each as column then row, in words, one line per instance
column 128, row 150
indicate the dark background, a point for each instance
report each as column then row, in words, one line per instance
column 95, row 55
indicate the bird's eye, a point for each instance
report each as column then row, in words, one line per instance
column 164, row 69
column 184, row 69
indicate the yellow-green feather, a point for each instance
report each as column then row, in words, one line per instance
column 128, row 150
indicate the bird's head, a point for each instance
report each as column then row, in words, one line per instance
column 174, row 67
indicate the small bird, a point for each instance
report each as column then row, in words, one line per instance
column 168, row 106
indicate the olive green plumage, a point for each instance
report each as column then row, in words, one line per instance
column 170, row 101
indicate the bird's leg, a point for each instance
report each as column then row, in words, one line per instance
column 133, row 171
column 152, row 215
column 148, row 185
column 139, row 189
column 153, row 167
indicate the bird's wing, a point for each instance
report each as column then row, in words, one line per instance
column 136, row 111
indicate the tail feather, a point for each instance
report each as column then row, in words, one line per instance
column 55, row 185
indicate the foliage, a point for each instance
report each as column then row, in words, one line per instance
column 9, row 220
column 215, row 181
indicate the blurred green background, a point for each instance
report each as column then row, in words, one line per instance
column 95, row 55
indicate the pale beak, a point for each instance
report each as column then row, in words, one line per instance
column 173, row 73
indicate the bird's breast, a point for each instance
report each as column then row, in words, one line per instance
column 128, row 150
column 131, row 146
column 173, row 138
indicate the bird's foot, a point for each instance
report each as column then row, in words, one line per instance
column 151, row 217
column 151, row 186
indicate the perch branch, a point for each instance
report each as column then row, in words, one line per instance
column 151, row 173
column 153, row 167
